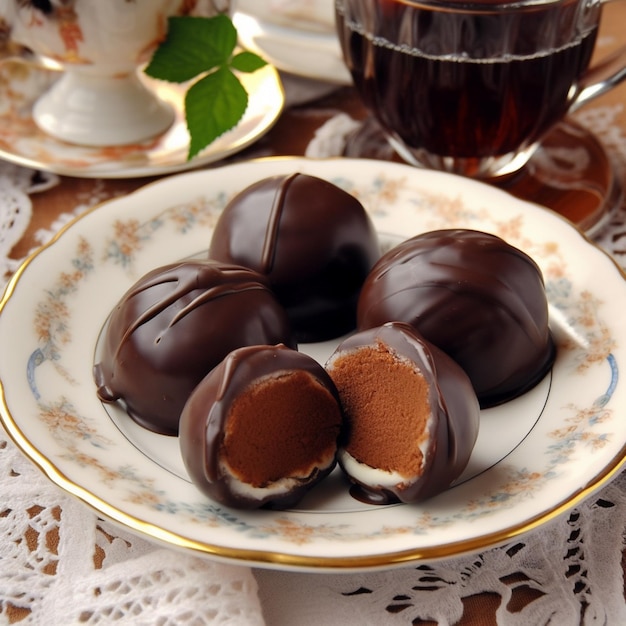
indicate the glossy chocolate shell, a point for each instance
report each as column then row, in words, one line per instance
column 479, row 299
column 173, row 326
column 313, row 241
column 261, row 429
column 411, row 415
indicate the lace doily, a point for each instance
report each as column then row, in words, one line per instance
column 16, row 184
column 61, row 564
column 571, row 571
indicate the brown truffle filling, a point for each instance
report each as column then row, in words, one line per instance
column 265, row 440
column 386, row 403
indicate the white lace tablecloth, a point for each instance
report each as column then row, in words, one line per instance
column 61, row 564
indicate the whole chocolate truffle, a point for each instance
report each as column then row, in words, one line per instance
column 411, row 414
column 313, row 241
column 261, row 429
column 173, row 326
column 479, row 299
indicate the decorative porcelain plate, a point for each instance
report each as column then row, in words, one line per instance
column 22, row 142
column 535, row 458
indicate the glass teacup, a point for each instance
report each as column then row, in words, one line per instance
column 472, row 86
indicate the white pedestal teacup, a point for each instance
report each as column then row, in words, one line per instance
column 99, row 100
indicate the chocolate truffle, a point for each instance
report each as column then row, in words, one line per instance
column 173, row 326
column 313, row 241
column 411, row 415
column 479, row 299
column 261, row 429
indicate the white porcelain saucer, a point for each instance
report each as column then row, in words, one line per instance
column 22, row 142
column 315, row 55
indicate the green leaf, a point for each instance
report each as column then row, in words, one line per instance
column 213, row 105
column 247, row 62
column 193, row 45
column 205, row 46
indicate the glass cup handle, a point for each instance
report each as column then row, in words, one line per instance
column 602, row 76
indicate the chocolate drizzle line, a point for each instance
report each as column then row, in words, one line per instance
column 186, row 284
column 273, row 224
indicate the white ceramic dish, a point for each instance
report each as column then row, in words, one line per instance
column 315, row 55
column 536, row 457
column 22, row 142
column 309, row 15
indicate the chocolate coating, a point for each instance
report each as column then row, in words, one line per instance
column 173, row 326
column 411, row 414
column 261, row 429
column 479, row 299
column 313, row 241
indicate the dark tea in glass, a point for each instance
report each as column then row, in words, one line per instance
column 467, row 87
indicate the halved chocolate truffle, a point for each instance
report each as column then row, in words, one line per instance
column 173, row 326
column 261, row 429
column 479, row 299
column 313, row 241
column 411, row 415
